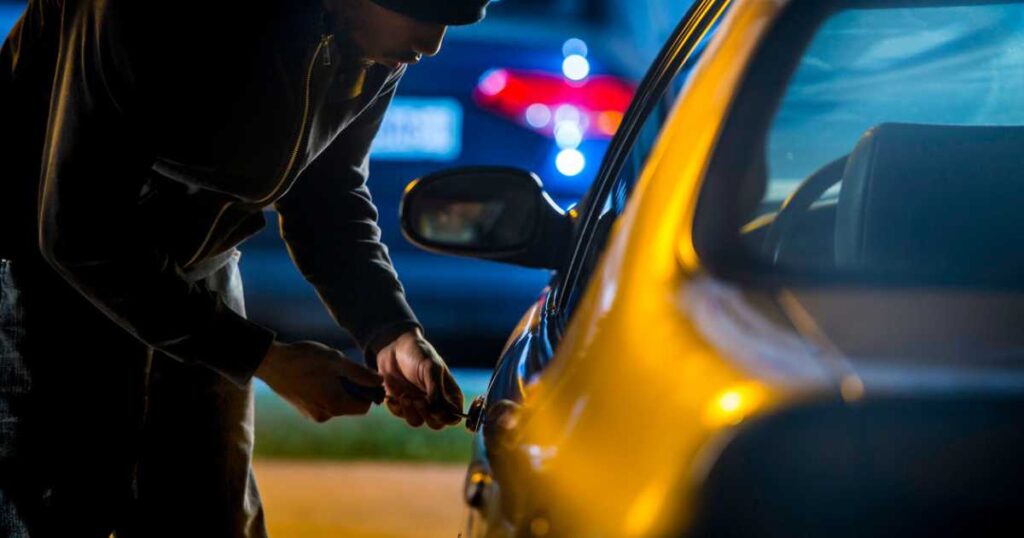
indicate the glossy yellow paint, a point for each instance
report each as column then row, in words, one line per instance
column 631, row 409
column 412, row 185
column 734, row 404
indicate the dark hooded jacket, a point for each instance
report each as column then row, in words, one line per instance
column 142, row 139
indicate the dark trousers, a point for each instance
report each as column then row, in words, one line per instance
column 100, row 434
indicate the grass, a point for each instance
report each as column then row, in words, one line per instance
column 284, row 434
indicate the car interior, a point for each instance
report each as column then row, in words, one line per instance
column 929, row 201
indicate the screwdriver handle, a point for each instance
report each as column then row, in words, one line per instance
column 373, row 394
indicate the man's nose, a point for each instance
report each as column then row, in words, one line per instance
column 429, row 43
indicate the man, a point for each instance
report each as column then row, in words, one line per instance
column 140, row 145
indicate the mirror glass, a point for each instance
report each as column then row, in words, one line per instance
column 491, row 212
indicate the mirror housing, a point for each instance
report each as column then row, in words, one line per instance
column 488, row 212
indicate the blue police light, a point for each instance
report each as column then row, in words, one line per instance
column 575, row 67
column 568, row 113
column 568, row 134
column 574, row 45
column 538, row 115
column 570, row 162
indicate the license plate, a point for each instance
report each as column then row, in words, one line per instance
column 420, row 129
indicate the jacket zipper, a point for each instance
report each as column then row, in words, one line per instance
column 324, row 45
column 325, row 41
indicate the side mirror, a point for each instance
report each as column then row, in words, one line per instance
column 490, row 212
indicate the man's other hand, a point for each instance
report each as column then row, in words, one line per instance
column 309, row 376
column 419, row 386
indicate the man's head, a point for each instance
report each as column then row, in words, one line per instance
column 393, row 32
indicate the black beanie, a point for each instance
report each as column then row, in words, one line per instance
column 450, row 12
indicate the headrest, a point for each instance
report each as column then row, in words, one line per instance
column 933, row 201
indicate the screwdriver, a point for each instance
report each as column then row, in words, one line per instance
column 393, row 399
column 374, row 394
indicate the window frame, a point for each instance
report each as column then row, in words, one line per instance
column 674, row 55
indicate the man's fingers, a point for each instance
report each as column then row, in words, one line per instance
column 412, row 415
column 433, row 379
column 398, row 385
column 395, row 407
column 447, row 418
column 452, row 392
column 416, row 377
column 320, row 381
column 434, row 423
column 360, row 374
column 435, row 416
column 351, row 400
column 444, row 399
column 362, row 392
column 351, row 407
column 314, row 413
column 443, row 393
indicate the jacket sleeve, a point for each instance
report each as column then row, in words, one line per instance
column 95, row 159
column 329, row 223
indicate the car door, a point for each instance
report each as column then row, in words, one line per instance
column 492, row 497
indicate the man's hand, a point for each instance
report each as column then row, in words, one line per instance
column 419, row 386
column 309, row 376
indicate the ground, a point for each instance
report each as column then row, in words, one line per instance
column 361, row 477
column 319, row 499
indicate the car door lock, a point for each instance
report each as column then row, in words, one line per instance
column 475, row 414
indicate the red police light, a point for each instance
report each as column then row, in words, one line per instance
column 555, row 106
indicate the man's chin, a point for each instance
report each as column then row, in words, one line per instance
column 394, row 62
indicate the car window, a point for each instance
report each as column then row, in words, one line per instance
column 605, row 210
column 895, row 154
column 867, row 67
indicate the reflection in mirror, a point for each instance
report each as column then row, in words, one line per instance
column 461, row 223
column 488, row 212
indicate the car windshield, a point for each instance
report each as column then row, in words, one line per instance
column 896, row 152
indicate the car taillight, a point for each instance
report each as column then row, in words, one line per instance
column 571, row 107
column 556, row 106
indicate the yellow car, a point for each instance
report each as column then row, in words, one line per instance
column 791, row 303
